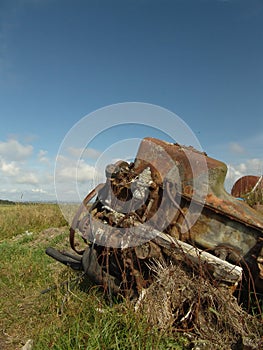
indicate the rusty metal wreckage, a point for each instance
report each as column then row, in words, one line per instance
column 169, row 206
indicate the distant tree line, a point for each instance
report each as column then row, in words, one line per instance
column 5, row 201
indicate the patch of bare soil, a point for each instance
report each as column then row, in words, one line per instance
column 49, row 234
column 209, row 315
column 52, row 235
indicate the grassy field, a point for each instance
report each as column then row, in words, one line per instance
column 73, row 315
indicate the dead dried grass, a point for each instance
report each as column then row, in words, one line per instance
column 182, row 301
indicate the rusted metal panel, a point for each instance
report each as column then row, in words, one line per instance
column 227, row 226
column 163, row 155
column 246, row 184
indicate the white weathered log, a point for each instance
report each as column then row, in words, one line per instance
column 28, row 345
column 222, row 270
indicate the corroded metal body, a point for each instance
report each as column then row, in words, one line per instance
column 250, row 189
column 246, row 184
column 172, row 189
column 226, row 226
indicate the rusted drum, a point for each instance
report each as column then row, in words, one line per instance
column 246, row 184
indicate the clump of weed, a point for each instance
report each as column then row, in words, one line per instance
column 181, row 301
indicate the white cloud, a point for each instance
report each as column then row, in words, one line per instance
column 252, row 166
column 87, row 153
column 8, row 168
column 7, row 191
column 42, row 153
column 14, row 150
column 85, row 171
column 38, row 190
column 42, row 156
column 75, row 177
column 21, row 170
column 235, row 147
column 81, row 172
column 27, row 178
column 243, row 157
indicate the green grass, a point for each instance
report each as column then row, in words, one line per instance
column 255, row 197
column 70, row 316
column 16, row 219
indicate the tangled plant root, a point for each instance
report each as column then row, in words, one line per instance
column 180, row 301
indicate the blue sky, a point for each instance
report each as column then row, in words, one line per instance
column 61, row 60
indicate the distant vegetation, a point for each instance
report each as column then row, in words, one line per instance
column 21, row 217
column 254, row 197
column 6, row 202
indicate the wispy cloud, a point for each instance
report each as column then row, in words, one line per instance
column 29, row 178
column 82, row 173
column 242, row 156
column 252, row 166
column 239, row 149
column 42, row 156
column 13, row 150
column 87, row 153
column 76, row 173
column 38, row 190
column 235, row 147
column 25, row 172
column 8, row 168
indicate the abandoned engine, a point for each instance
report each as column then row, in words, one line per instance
column 167, row 206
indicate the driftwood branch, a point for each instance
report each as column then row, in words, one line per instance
column 221, row 270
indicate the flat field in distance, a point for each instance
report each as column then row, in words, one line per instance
column 19, row 218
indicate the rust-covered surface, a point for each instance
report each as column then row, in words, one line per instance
column 172, row 189
column 246, row 184
column 214, row 196
column 226, row 225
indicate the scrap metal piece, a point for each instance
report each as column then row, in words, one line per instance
column 153, row 151
column 250, row 189
column 246, row 184
column 176, row 193
column 224, row 220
